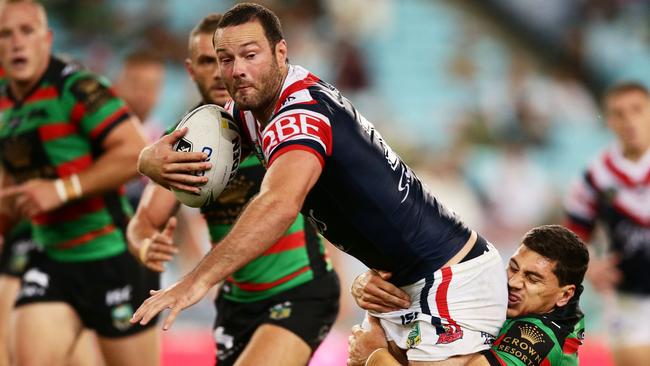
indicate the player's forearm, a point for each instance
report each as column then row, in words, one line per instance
column 263, row 223
column 114, row 167
column 156, row 206
column 381, row 357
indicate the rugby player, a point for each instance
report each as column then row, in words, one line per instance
column 614, row 192
column 326, row 160
column 275, row 310
column 67, row 144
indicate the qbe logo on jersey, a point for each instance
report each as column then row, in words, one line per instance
column 297, row 124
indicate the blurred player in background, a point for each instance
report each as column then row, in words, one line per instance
column 67, row 144
column 275, row 310
column 545, row 325
column 615, row 193
column 326, row 161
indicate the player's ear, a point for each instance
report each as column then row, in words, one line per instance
column 281, row 52
column 188, row 67
column 566, row 294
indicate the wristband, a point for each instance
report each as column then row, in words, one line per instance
column 76, row 185
column 60, row 190
column 144, row 248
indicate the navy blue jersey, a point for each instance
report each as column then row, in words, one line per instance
column 367, row 202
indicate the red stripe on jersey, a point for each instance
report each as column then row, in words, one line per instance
column 582, row 231
column 42, row 94
column 56, row 130
column 545, row 362
column 622, row 177
column 78, row 111
column 571, row 345
column 288, row 148
column 441, row 297
column 248, row 286
column 86, row 237
column 2, row 72
column 74, row 166
column 71, row 212
column 6, row 103
column 288, row 242
column 107, row 121
column 310, row 80
column 639, row 220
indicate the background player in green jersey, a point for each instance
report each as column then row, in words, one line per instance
column 277, row 309
column 544, row 327
column 62, row 131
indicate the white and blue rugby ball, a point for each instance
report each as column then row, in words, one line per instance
column 210, row 129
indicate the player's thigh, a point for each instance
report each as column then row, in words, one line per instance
column 632, row 356
column 274, row 345
column 86, row 351
column 9, row 287
column 451, row 361
column 53, row 326
column 139, row 349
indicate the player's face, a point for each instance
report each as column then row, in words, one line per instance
column 252, row 70
column 628, row 115
column 25, row 42
column 533, row 288
column 140, row 84
column 204, row 70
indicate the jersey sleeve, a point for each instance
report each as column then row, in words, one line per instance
column 523, row 344
column 298, row 129
column 97, row 109
column 581, row 206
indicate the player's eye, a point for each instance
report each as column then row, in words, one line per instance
column 5, row 33
column 250, row 56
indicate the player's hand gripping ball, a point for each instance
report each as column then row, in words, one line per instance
column 210, row 129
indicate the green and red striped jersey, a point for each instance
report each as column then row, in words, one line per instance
column 536, row 341
column 298, row 257
column 55, row 131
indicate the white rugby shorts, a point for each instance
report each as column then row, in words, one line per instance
column 628, row 320
column 458, row 310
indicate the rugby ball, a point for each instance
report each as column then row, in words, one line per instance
column 210, row 129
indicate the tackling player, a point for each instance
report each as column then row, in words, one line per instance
column 326, row 160
column 66, row 146
column 275, row 310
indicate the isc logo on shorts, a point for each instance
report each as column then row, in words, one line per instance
column 295, row 125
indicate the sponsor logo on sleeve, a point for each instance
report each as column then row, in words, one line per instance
column 297, row 124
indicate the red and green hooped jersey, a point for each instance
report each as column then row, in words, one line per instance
column 298, row 257
column 535, row 341
column 55, row 131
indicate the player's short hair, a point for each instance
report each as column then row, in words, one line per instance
column 207, row 25
column 562, row 246
column 37, row 4
column 625, row 87
column 144, row 56
column 248, row 12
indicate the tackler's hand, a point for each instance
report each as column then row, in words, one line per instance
column 372, row 291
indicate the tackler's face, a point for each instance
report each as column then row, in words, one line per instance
column 533, row 288
column 25, row 42
column 250, row 67
column 204, row 70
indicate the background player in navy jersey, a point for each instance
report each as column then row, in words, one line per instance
column 327, row 161
column 615, row 192
column 277, row 309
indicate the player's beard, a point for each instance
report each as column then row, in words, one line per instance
column 265, row 93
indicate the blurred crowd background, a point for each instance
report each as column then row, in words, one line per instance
column 494, row 103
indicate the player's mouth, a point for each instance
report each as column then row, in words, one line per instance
column 18, row 62
column 513, row 299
